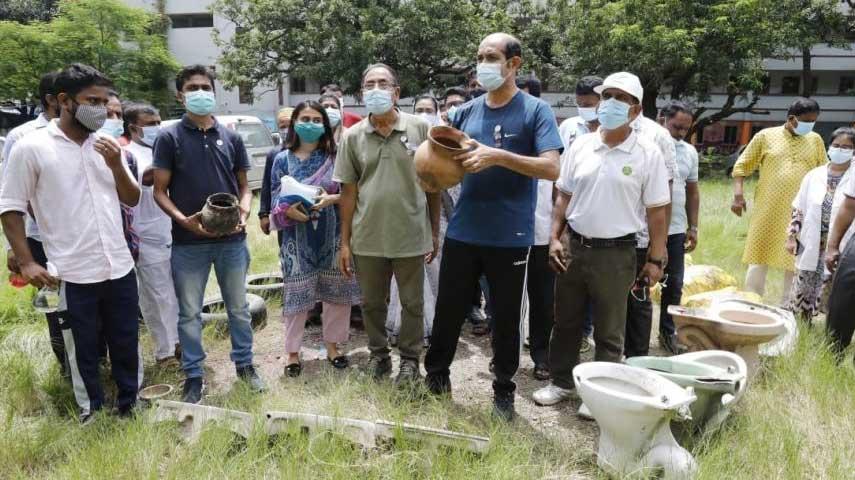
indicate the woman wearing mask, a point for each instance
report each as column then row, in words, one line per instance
column 426, row 107
column 814, row 210
column 332, row 105
column 311, row 237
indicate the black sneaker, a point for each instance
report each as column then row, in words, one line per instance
column 669, row 343
column 124, row 412
column 438, row 385
column 193, row 388
column 250, row 376
column 379, row 367
column 86, row 418
column 541, row 371
column 408, row 373
column 503, row 406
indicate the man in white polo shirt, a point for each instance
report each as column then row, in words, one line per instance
column 608, row 179
column 74, row 181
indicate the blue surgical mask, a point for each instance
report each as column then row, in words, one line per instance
column 335, row 117
column 588, row 114
column 803, row 128
column 309, row 132
column 839, row 156
column 489, row 75
column 452, row 111
column 112, row 127
column 149, row 134
column 200, row 102
column 377, row 101
column 613, row 113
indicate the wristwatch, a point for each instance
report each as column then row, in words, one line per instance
column 659, row 263
column 693, row 228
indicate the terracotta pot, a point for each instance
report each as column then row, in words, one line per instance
column 436, row 167
column 221, row 213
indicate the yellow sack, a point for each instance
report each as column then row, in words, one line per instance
column 699, row 279
column 705, row 299
column 688, row 260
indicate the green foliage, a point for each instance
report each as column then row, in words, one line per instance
column 120, row 41
column 27, row 10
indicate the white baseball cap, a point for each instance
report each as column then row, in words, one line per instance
column 625, row 81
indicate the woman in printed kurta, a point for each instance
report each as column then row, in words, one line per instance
column 784, row 155
column 310, row 236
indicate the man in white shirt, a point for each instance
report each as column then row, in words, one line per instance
column 158, row 304
column 607, row 179
column 75, row 180
column 50, row 110
column 677, row 118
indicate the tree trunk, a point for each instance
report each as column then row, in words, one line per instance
column 807, row 77
column 648, row 104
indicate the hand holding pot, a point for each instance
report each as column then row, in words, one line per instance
column 193, row 223
column 480, row 157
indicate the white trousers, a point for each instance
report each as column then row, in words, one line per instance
column 159, row 306
column 755, row 281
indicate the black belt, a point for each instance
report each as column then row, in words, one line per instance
column 624, row 241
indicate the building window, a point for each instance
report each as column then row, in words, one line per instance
column 245, row 95
column 790, row 85
column 192, row 20
column 298, row 84
column 731, row 132
column 765, row 84
column 847, row 86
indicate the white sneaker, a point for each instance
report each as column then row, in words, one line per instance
column 551, row 394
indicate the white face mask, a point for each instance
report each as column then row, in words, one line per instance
column 839, row 156
column 431, row 118
column 588, row 114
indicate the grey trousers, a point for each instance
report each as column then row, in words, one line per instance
column 375, row 277
column 605, row 276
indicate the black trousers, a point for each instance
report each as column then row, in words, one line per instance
column 840, row 322
column 541, row 303
column 116, row 304
column 56, row 342
column 673, row 293
column 462, row 265
column 639, row 315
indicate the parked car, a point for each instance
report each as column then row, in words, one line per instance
column 256, row 138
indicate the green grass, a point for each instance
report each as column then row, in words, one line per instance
column 796, row 420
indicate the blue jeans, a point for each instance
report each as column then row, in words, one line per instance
column 191, row 265
column 673, row 293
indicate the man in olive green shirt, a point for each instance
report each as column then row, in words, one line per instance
column 388, row 224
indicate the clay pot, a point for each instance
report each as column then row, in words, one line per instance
column 436, row 167
column 221, row 213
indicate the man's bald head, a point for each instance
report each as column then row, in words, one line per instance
column 509, row 45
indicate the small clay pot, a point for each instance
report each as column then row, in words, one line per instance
column 221, row 213
column 436, row 167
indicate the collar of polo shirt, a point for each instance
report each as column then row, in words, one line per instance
column 187, row 123
column 626, row 146
column 398, row 127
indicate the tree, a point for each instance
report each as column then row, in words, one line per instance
column 429, row 42
column 27, row 10
column 807, row 23
column 120, row 41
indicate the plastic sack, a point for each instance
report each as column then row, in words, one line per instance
column 291, row 192
column 705, row 299
column 699, row 279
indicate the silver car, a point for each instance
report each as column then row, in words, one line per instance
column 256, row 138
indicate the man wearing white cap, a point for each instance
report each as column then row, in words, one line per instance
column 609, row 179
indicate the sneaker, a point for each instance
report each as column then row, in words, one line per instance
column 379, row 367
column 541, row 371
column 193, row 388
column 408, row 373
column 551, row 394
column 476, row 315
column 587, row 345
column 669, row 343
column 168, row 363
column 439, row 386
column 124, row 413
column 503, row 407
column 86, row 419
column 250, row 376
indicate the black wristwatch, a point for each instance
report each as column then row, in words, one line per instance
column 659, row 263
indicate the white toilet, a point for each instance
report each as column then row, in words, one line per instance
column 633, row 408
column 718, row 379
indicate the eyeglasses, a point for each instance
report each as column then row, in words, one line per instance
column 382, row 85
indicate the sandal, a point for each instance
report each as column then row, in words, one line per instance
column 294, row 369
column 339, row 362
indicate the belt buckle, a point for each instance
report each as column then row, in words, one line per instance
column 586, row 242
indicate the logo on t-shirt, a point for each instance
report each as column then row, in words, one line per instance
column 627, row 170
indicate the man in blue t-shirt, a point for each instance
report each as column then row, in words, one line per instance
column 193, row 159
column 515, row 142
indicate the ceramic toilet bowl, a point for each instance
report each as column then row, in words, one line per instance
column 717, row 377
column 633, row 408
column 734, row 325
